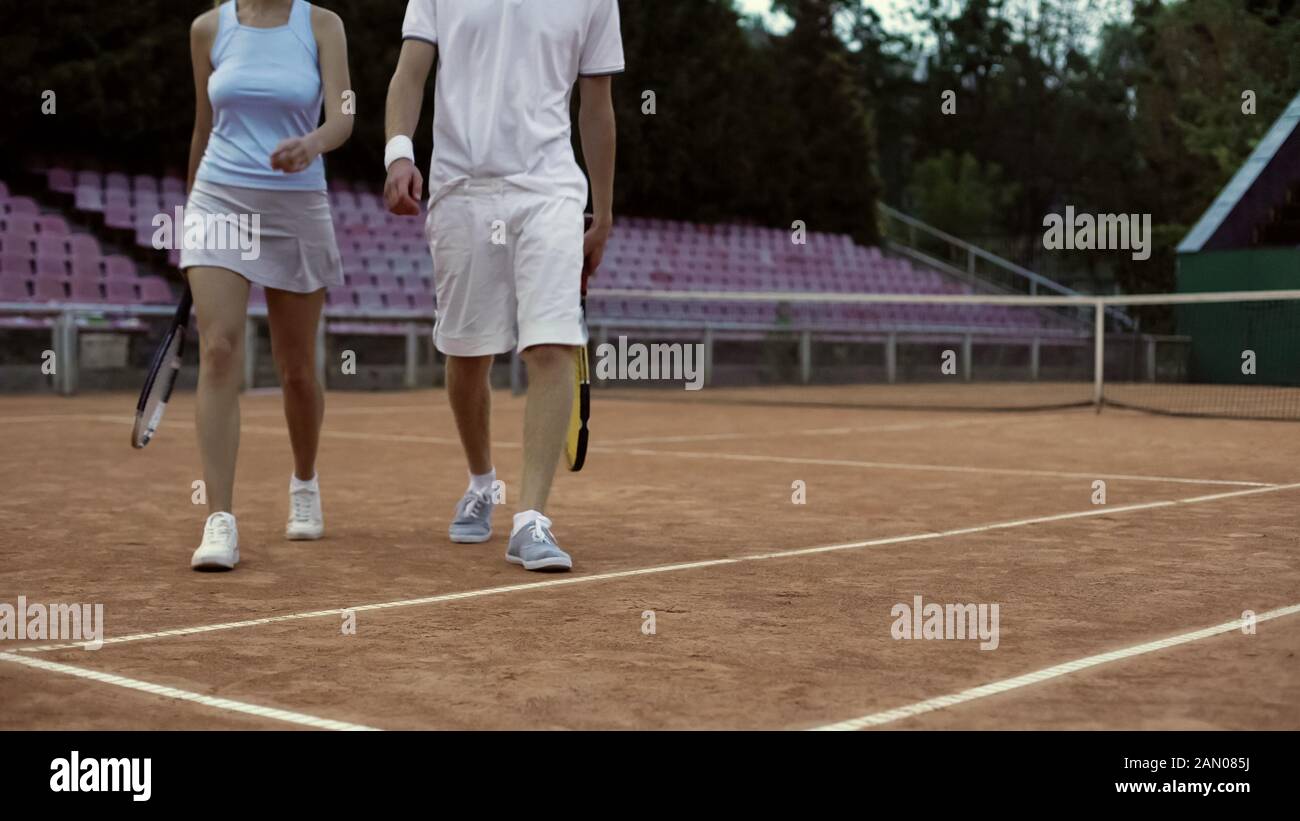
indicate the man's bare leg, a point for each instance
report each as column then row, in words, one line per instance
column 546, row 421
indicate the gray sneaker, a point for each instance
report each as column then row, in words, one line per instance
column 536, row 549
column 472, row 523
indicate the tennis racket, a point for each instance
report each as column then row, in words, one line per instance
column 575, row 444
column 162, row 376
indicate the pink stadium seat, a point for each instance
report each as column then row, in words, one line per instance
column 376, row 263
column 50, row 246
column 52, row 225
column 368, row 299
column 16, row 242
column 341, row 299
column 51, row 265
column 118, row 216
column 173, row 185
column 21, row 205
column 13, row 289
column 117, row 181
column 144, row 183
column 14, row 264
column 4, row 190
column 121, row 292
column 91, row 178
column 118, row 267
column 83, row 245
column 49, row 289
column 84, row 290
column 61, row 180
column 147, row 204
column 85, row 266
column 89, row 198
column 368, row 244
column 156, row 291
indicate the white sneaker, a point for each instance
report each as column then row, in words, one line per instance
column 220, row 547
column 306, row 522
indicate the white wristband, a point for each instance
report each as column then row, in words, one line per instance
column 398, row 148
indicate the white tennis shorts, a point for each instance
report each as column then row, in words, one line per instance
column 507, row 265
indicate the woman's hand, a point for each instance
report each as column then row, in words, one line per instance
column 294, row 155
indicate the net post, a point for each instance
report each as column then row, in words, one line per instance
column 1151, row 358
column 1098, row 351
column 967, row 354
column 65, row 353
column 412, row 362
column 805, row 356
column 1034, row 357
column 891, row 357
column 708, row 355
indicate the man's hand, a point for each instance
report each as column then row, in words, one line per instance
column 403, row 189
column 593, row 245
column 294, row 154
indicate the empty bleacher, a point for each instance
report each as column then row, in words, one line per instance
column 388, row 268
column 85, row 248
column 44, row 261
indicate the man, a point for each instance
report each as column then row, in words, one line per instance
column 505, row 222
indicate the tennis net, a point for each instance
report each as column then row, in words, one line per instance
column 1230, row 354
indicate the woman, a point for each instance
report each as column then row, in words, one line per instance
column 262, row 70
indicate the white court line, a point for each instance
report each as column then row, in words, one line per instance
column 802, row 460
column 745, row 457
column 376, row 437
column 668, row 568
column 1008, row 684
column 645, row 440
column 837, row 431
column 184, row 695
column 66, row 417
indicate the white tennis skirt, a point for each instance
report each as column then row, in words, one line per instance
column 276, row 239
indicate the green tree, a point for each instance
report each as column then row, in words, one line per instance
column 834, row 157
column 958, row 194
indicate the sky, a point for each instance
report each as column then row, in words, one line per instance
column 895, row 15
column 889, row 11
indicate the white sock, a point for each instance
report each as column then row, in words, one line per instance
column 311, row 484
column 526, row 518
column 481, row 483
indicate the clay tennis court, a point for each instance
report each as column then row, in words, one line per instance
column 768, row 614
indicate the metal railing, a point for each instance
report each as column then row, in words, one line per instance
column 1008, row 277
column 995, row 275
column 70, row 319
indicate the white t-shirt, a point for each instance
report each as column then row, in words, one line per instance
column 506, row 70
